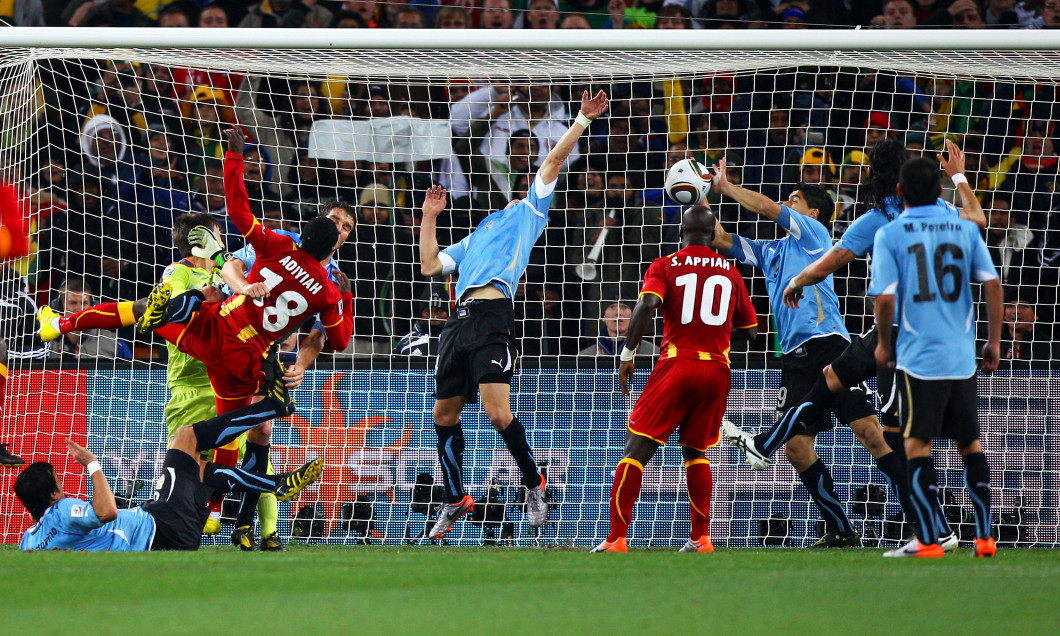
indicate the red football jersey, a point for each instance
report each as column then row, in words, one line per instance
column 298, row 284
column 703, row 296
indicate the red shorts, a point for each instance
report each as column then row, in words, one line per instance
column 233, row 366
column 684, row 394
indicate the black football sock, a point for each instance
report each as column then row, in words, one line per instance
column 924, row 496
column 896, row 441
column 255, row 459
column 181, row 308
column 236, row 479
column 451, row 457
column 813, row 406
column 977, row 479
column 818, row 482
column 515, row 439
column 218, row 431
column 893, row 468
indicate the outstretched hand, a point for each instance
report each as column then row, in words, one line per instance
column 343, row 282
column 593, row 108
column 236, row 139
column 720, row 181
column 792, row 296
column 954, row 162
column 80, row 454
column 434, row 202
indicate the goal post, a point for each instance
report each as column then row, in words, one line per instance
column 111, row 134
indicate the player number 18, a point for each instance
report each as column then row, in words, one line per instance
column 713, row 306
column 289, row 303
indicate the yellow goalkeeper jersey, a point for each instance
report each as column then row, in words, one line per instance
column 184, row 370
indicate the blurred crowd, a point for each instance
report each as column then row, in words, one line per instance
column 126, row 147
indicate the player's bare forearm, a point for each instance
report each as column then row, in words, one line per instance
column 430, row 265
column 823, row 267
column 994, row 314
column 722, row 239
column 308, row 351
column 753, row 201
column 103, row 503
column 641, row 320
column 971, row 209
column 884, row 310
column 591, row 108
column 237, row 201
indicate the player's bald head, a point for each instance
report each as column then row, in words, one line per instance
column 697, row 225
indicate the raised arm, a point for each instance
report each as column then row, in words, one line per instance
column 638, row 326
column 953, row 166
column 590, row 110
column 237, row 201
column 103, row 503
column 433, row 204
column 753, row 201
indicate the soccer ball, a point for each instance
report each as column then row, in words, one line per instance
column 687, row 182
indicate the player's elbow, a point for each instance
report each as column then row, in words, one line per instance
column 431, row 268
column 749, row 333
column 105, row 513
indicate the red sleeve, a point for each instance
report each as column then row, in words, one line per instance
column 655, row 280
column 237, row 203
column 744, row 314
column 338, row 318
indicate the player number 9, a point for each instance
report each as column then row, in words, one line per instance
column 289, row 303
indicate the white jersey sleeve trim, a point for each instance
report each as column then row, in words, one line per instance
column 983, row 275
column 448, row 264
column 544, row 189
column 889, row 290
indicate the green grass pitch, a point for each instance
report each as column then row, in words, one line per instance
column 428, row 590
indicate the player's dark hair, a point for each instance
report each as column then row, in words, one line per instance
column 818, row 198
column 184, row 224
column 35, row 486
column 921, row 181
column 329, row 204
column 886, row 159
column 319, row 237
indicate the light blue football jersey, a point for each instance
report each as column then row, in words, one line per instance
column 862, row 232
column 781, row 260
column 498, row 251
column 72, row 524
column 927, row 259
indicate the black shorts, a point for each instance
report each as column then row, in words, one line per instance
column 858, row 363
column 180, row 504
column 476, row 347
column 946, row 409
column 801, row 368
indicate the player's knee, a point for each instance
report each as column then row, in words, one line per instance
column 691, row 453
column 184, row 439
column 260, row 434
column 500, row 415
column 800, row 453
column 444, row 416
column 834, row 383
column 870, row 434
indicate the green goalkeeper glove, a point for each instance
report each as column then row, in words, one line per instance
column 205, row 244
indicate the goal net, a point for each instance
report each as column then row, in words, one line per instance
column 108, row 146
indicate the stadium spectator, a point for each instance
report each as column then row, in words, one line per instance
column 816, row 167
column 423, row 339
column 23, row 13
column 174, row 15
column 674, row 16
column 575, row 21
column 1050, row 14
column 897, row 14
column 1000, row 14
column 368, row 259
column 74, row 296
column 769, row 153
column 496, row 14
column 452, row 17
column 877, row 128
column 213, row 17
column 613, row 327
column 541, row 14
column 112, row 13
column 793, row 18
column 287, row 14
column 205, row 112
column 1024, row 339
column 1029, row 172
column 409, row 18
column 348, row 20
column 1007, row 239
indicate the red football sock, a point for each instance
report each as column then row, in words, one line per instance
column 700, row 483
column 104, row 316
column 624, row 493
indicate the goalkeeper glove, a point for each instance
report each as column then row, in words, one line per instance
column 205, row 244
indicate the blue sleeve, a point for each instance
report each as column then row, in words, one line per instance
column 809, row 233
column 860, row 234
column 884, row 268
column 457, row 251
column 982, row 265
column 746, row 251
column 78, row 514
column 247, row 255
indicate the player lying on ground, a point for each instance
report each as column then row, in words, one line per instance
column 922, row 271
column 476, row 350
column 811, row 337
column 705, row 303
column 173, row 520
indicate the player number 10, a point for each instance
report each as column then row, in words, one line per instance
column 716, row 288
column 289, row 303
